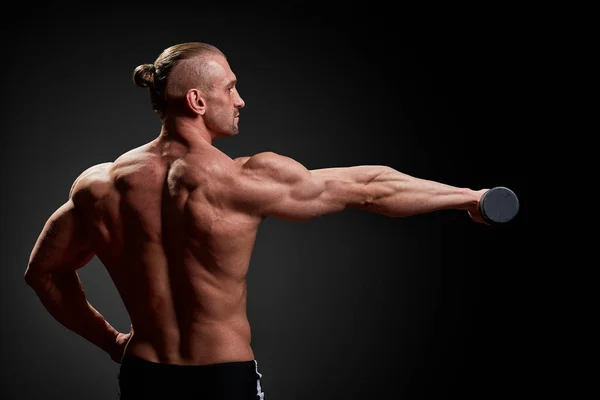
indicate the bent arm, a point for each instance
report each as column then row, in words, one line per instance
column 62, row 295
column 62, row 248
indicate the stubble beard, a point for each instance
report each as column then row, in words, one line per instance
column 224, row 128
column 234, row 128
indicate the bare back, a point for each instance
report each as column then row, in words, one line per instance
column 176, row 250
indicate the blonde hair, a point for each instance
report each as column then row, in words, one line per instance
column 156, row 75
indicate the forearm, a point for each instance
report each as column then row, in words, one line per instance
column 62, row 295
column 395, row 194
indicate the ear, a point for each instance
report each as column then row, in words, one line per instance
column 195, row 101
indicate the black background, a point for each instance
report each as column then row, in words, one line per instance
column 353, row 305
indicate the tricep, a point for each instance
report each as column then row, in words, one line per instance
column 269, row 184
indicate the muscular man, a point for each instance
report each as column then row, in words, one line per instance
column 174, row 222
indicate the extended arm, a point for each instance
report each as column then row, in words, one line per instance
column 274, row 185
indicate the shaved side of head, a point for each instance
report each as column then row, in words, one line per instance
column 199, row 72
column 177, row 69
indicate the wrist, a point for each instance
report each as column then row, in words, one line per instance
column 110, row 341
column 471, row 199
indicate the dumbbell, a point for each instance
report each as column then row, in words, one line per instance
column 498, row 205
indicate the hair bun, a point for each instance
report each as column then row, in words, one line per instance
column 143, row 75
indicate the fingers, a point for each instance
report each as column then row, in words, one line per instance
column 475, row 216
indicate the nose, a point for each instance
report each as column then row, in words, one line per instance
column 240, row 103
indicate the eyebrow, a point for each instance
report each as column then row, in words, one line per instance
column 232, row 82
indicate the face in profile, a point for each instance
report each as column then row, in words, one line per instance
column 223, row 100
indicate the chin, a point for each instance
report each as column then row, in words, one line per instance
column 229, row 134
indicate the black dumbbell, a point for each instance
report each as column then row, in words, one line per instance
column 498, row 205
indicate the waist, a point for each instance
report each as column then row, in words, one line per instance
column 134, row 361
column 204, row 348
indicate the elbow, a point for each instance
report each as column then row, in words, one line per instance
column 368, row 193
column 361, row 198
column 365, row 201
column 31, row 277
column 27, row 275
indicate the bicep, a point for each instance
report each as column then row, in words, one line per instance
column 62, row 245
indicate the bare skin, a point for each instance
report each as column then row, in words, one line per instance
column 175, row 221
column 185, row 285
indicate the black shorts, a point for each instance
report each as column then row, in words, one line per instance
column 143, row 379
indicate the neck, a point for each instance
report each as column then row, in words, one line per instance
column 190, row 133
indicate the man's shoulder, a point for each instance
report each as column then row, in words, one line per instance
column 265, row 159
column 91, row 179
column 241, row 160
